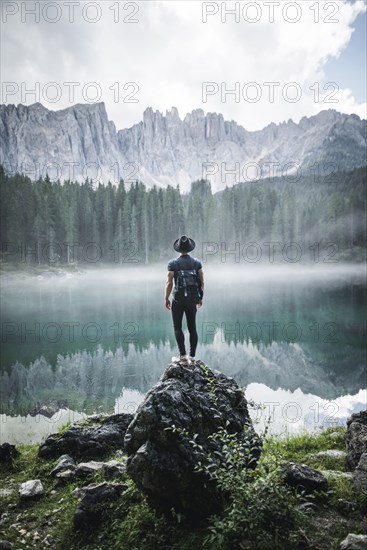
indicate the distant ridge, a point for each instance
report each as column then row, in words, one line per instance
column 163, row 150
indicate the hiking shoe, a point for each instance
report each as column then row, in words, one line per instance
column 181, row 359
column 192, row 360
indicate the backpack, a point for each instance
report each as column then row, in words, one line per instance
column 187, row 289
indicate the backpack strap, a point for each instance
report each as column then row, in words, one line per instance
column 176, row 269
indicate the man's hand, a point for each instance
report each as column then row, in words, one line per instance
column 169, row 285
column 199, row 304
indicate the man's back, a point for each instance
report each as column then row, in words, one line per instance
column 184, row 262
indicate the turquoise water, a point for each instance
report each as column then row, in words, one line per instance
column 294, row 336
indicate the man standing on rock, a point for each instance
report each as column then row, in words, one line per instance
column 188, row 292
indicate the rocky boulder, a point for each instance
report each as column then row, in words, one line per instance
column 300, row 475
column 360, row 474
column 92, row 503
column 356, row 438
column 354, row 542
column 31, row 489
column 66, row 470
column 170, row 435
column 85, row 469
column 66, row 462
column 113, row 469
column 90, row 439
column 7, row 453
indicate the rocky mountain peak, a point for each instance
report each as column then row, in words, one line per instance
column 165, row 149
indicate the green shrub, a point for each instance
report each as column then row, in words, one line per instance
column 260, row 511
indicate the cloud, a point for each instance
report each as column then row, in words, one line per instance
column 171, row 52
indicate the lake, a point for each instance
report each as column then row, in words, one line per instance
column 294, row 336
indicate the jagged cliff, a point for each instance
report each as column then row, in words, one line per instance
column 35, row 140
column 162, row 149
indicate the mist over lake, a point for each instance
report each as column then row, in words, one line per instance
column 97, row 341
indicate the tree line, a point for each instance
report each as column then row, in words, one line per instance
column 52, row 222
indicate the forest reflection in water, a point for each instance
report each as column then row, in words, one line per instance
column 294, row 337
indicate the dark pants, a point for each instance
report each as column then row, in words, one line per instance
column 177, row 313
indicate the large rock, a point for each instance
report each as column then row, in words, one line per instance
column 66, row 462
column 196, row 401
column 92, row 503
column 300, row 475
column 88, row 441
column 356, row 438
column 113, row 469
column 7, row 453
column 354, row 542
column 360, row 474
column 30, row 489
column 85, row 469
column 109, row 470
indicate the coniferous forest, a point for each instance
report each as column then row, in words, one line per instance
column 64, row 223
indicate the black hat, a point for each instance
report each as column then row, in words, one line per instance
column 184, row 244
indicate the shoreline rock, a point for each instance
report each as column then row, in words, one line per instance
column 188, row 403
column 88, row 440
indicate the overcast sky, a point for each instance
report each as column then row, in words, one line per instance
column 161, row 54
